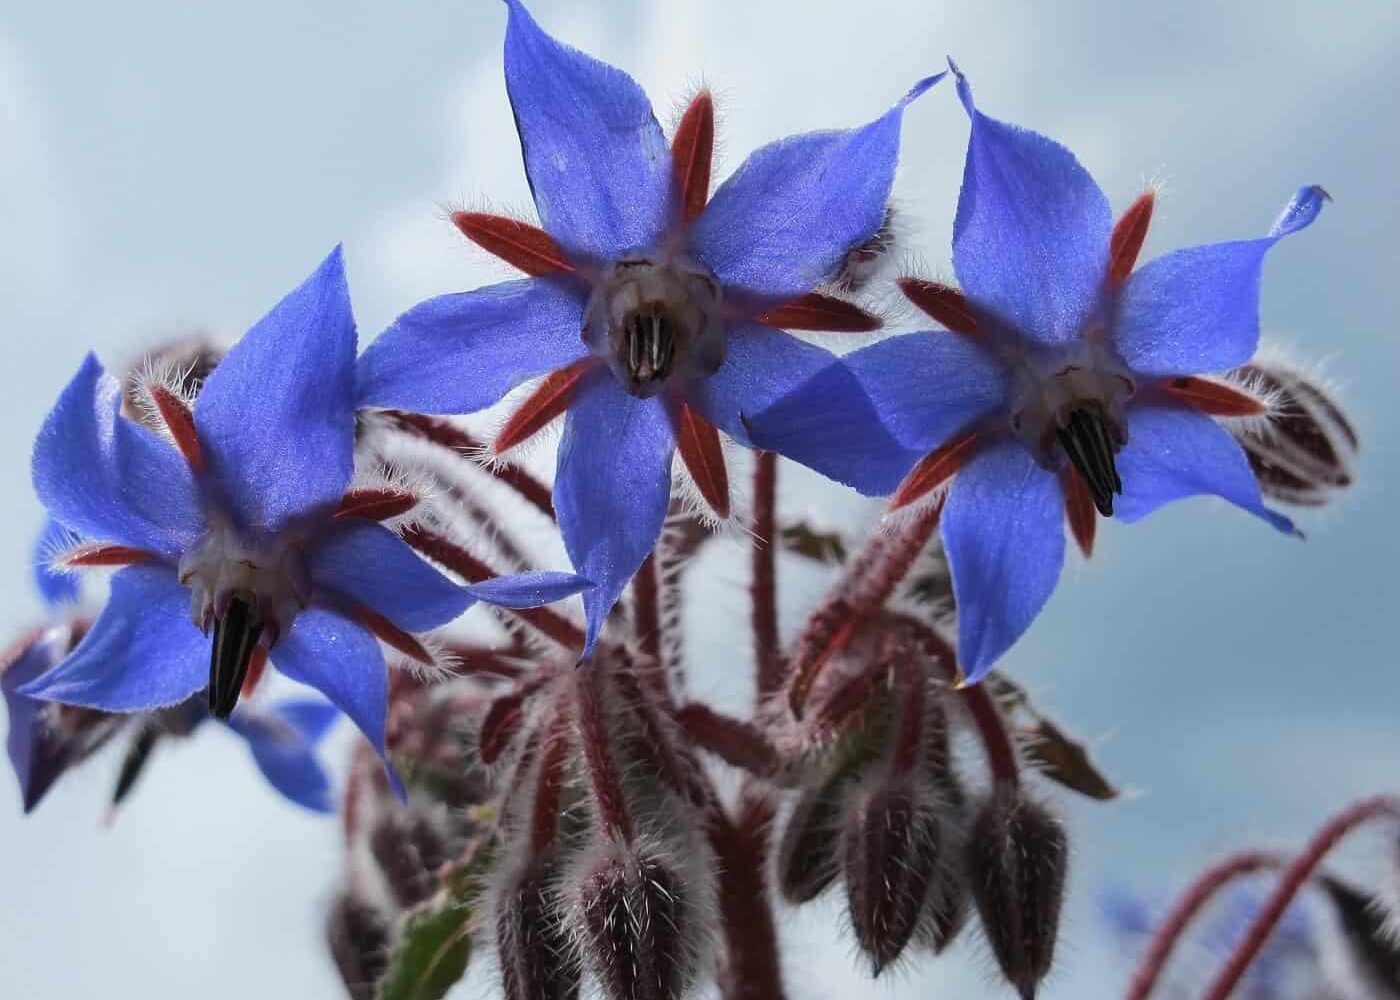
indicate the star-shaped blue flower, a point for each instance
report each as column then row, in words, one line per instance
column 231, row 526
column 1064, row 382
column 647, row 302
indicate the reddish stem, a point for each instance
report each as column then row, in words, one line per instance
column 474, row 570
column 1197, row 895
column 1293, row 878
column 980, row 705
column 646, row 596
column 768, row 664
column 452, row 437
column 598, row 751
column 751, row 969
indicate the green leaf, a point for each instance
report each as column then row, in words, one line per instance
column 434, row 947
column 434, row 943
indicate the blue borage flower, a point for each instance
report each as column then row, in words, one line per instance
column 234, row 523
column 676, row 300
column 282, row 739
column 1066, row 384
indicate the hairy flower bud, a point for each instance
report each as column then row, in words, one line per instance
column 409, row 852
column 891, row 848
column 634, row 913
column 1369, row 955
column 359, row 942
column 1017, row 858
column 536, row 952
column 807, row 855
column 1305, row 451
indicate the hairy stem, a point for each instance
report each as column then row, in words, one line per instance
column 1292, row 880
column 1193, row 900
column 768, row 664
column 751, row 969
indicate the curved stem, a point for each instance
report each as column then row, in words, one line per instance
column 646, row 595
column 1293, row 879
column 1170, row 932
column 450, row 436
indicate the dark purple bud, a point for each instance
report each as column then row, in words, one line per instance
column 536, row 951
column 358, row 937
column 633, row 915
column 864, row 262
column 1369, row 949
column 945, row 910
column 807, row 855
column 1017, row 857
column 409, row 853
column 1305, row 451
column 891, row 848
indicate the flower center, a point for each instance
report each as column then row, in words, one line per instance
column 653, row 316
column 1072, row 409
column 249, row 594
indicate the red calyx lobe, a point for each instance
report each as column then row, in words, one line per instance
column 1128, row 235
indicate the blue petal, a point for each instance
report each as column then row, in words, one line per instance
column 54, row 587
column 342, row 661
column 1030, row 240
column 598, row 163
column 36, row 757
column 528, row 590
column 277, row 416
column 1174, row 453
column 312, row 720
column 1003, row 529
column 143, row 651
column 285, row 754
column 370, row 565
column 612, row 487
column 929, row 386
column 461, row 353
column 787, row 218
column 111, row 480
column 781, row 394
column 1197, row 310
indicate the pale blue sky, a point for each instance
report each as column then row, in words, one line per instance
column 165, row 165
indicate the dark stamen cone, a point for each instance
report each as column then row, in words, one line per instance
column 236, row 636
column 649, row 339
column 138, row 755
column 890, row 849
column 359, row 943
column 536, row 954
column 1017, row 859
column 634, row 929
column 1089, row 444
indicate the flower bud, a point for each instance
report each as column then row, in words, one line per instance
column 536, row 952
column 1305, row 451
column 635, row 923
column 1369, row 954
column 1017, row 858
column 409, row 852
column 359, row 941
column 865, row 261
column 807, row 855
column 891, row 847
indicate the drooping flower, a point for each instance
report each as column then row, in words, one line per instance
column 239, row 523
column 655, row 315
column 1066, row 382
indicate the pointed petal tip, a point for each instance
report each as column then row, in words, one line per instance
column 1301, row 211
column 954, row 68
column 920, row 88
